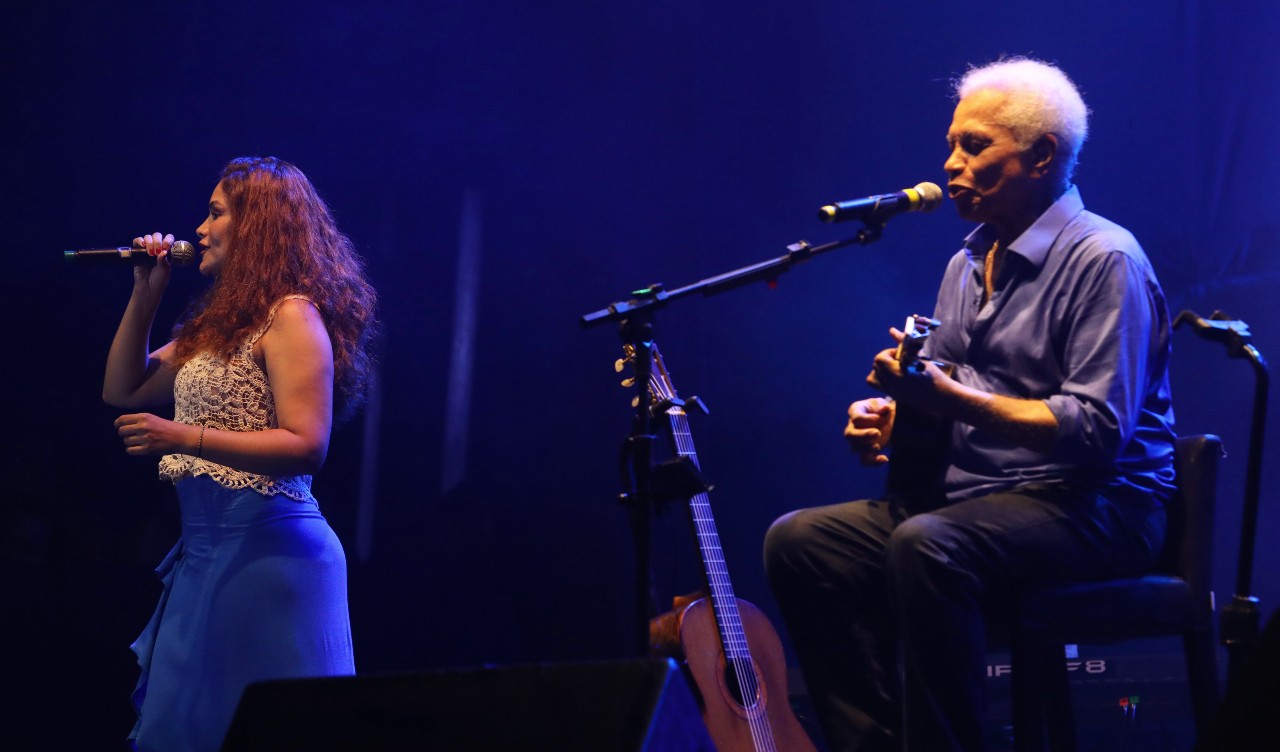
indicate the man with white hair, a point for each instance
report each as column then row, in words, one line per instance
column 1060, row 454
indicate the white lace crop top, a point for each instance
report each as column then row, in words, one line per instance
column 231, row 395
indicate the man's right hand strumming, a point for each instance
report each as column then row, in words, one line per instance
column 869, row 428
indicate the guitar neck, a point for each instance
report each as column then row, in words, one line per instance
column 723, row 600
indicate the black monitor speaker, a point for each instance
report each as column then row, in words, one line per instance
column 628, row 706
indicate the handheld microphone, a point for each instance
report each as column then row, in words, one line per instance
column 877, row 209
column 181, row 253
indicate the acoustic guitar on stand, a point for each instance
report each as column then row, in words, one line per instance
column 728, row 646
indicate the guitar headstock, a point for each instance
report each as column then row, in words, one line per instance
column 915, row 333
column 662, row 391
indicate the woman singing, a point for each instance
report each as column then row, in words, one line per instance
column 256, row 586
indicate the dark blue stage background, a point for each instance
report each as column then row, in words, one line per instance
column 570, row 153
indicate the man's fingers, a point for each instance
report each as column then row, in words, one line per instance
column 871, row 459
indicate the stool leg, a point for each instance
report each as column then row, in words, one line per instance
column 1202, row 675
column 1057, row 700
column 1028, row 707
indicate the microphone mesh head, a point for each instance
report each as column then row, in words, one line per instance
column 930, row 196
column 182, row 253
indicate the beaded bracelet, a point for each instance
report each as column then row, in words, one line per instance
column 200, row 443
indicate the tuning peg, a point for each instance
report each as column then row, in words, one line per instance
column 619, row 364
column 635, row 402
column 629, row 382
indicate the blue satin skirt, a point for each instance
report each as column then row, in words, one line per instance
column 255, row 589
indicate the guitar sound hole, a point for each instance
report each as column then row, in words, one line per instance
column 746, row 697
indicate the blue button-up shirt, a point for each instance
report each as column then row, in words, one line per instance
column 1076, row 319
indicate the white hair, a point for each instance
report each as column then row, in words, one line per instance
column 1041, row 99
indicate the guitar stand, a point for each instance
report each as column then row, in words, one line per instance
column 635, row 318
column 1239, row 619
column 650, row 485
column 636, row 470
column 678, row 479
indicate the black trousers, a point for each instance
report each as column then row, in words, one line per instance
column 859, row 581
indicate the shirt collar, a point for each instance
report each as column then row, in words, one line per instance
column 1034, row 243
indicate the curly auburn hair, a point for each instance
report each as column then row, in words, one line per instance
column 283, row 241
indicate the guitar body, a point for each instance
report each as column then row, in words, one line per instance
column 920, row 447
column 728, row 718
column 919, row 454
